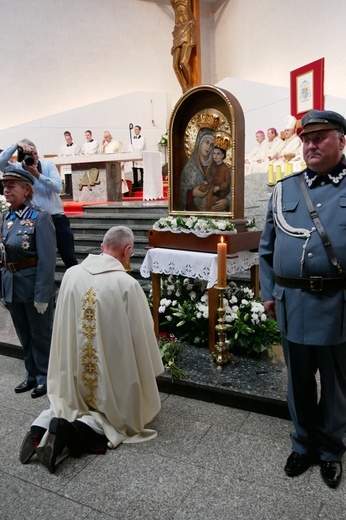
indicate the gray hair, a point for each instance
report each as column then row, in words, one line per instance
column 27, row 141
column 118, row 237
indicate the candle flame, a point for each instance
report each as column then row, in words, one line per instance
column 222, row 239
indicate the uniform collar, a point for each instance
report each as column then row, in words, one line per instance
column 19, row 212
column 338, row 173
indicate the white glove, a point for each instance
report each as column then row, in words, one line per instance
column 40, row 307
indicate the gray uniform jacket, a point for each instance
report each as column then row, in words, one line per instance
column 303, row 316
column 28, row 232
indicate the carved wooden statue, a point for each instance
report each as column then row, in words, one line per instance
column 184, row 40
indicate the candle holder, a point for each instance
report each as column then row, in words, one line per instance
column 221, row 354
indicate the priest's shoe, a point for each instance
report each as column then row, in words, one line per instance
column 25, row 386
column 331, row 472
column 27, row 449
column 58, row 434
column 39, row 391
column 297, row 463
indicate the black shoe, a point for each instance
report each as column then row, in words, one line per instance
column 39, row 391
column 59, row 430
column 331, row 472
column 297, row 463
column 25, row 387
column 27, row 449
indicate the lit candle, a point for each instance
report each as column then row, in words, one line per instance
column 222, row 263
column 270, row 174
column 278, row 173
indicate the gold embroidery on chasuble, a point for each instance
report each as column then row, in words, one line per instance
column 89, row 356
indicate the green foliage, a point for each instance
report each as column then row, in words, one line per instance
column 169, row 348
column 184, row 307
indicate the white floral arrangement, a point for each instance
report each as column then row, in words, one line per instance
column 3, row 204
column 163, row 143
column 251, row 225
column 184, row 309
column 201, row 227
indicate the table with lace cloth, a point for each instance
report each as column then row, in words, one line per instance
column 193, row 264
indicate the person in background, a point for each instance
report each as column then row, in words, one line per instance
column 138, row 145
column 292, row 149
column 28, row 255
column 258, row 154
column 65, row 150
column 90, row 146
column 68, row 148
column 110, row 145
column 274, row 145
column 303, row 282
column 47, row 188
column 104, row 360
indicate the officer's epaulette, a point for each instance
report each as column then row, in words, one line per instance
column 38, row 208
column 295, row 174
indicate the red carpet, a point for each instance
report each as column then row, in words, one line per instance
column 72, row 207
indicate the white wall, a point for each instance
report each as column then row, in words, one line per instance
column 263, row 41
column 86, row 64
column 266, row 106
column 57, row 56
column 151, row 110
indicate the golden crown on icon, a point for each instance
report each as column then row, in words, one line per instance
column 211, row 121
column 222, row 140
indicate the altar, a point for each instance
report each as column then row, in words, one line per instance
column 192, row 264
column 95, row 177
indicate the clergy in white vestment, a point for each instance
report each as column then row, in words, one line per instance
column 104, row 360
column 91, row 146
column 111, row 145
column 69, row 147
column 293, row 146
column 275, row 143
column 138, row 145
column 258, row 154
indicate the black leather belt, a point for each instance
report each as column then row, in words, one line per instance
column 315, row 284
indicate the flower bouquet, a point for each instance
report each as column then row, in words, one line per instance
column 184, row 307
column 199, row 226
column 169, row 348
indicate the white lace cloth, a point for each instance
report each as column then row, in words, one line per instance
column 152, row 183
column 193, row 264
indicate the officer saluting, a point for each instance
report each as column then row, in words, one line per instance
column 28, row 256
column 303, row 285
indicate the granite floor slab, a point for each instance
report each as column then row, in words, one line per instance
column 208, row 461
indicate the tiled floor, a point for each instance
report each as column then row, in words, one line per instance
column 207, row 462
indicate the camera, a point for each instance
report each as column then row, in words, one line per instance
column 28, row 158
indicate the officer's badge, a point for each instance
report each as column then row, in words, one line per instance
column 25, row 243
column 9, row 224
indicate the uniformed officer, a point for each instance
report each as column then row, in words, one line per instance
column 303, row 286
column 28, row 256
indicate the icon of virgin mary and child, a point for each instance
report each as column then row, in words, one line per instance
column 205, row 182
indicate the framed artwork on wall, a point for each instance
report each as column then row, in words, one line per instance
column 307, row 88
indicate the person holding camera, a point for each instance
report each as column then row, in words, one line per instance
column 47, row 188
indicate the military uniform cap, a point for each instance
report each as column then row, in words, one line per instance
column 17, row 174
column 316, row 120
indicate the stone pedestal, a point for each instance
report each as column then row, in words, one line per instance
column 96, row 177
